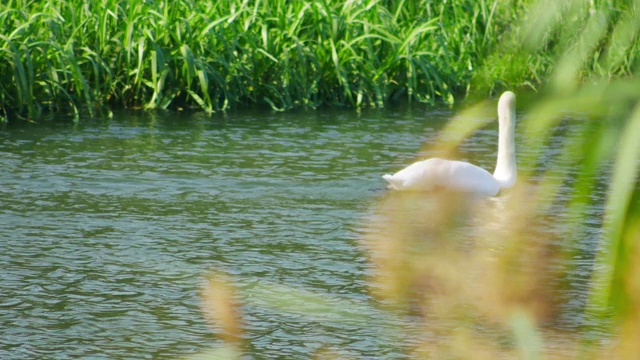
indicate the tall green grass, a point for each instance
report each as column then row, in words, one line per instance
column 561, row 45
column 61, row 55
column 73, row 55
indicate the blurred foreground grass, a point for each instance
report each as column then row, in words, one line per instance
column 482, row 278
column 476, row 276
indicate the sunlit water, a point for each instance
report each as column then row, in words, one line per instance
column 109, row 227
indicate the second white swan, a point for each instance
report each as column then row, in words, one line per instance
column 461, row 176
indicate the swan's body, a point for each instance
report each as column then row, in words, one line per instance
column 461, row 176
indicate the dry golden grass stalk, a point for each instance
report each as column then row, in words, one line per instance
column 222, row 310
column 628, row 346
column 463, row 263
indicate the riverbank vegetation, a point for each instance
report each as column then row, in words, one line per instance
column 76, row 56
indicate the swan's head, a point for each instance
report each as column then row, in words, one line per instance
column 507, row 105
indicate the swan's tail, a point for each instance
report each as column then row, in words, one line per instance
column 394, row 182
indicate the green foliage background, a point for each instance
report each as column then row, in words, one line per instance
column 73, row 55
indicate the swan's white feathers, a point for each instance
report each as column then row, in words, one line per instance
column 428, row 175
column 437, row 173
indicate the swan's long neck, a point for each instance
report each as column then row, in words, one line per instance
column 506, row 173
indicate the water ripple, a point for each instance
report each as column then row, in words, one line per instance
column 109, row 227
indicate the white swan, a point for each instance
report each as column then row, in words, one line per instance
column 461, row 176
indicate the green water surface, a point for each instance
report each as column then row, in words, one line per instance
column 108, row 227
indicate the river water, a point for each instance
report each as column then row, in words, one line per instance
column 108, row 228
